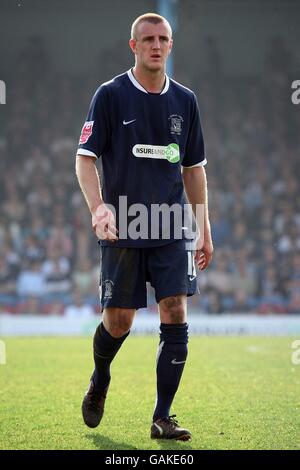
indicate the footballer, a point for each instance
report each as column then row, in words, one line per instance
column 145, row 130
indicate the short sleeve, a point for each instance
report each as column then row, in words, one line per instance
column 95, row 134
column 194, row 150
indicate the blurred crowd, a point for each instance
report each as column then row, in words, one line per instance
column 49, row 256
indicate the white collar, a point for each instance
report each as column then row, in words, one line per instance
column 139, row 86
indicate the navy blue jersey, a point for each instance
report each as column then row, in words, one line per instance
column 143, row 140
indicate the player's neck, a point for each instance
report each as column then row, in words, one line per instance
column 153, row 82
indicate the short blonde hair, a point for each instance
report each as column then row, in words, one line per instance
column 149, row 18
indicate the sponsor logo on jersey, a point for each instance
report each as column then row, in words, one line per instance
column 169, row 152
column 86, row 132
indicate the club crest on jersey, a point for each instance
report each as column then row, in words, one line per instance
column 86, row 132
column 176, row 124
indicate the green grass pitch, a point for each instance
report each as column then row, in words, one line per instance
column 236, row 393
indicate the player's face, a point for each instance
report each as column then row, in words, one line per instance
column 152, row 46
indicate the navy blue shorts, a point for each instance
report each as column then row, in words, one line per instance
column 170, row 269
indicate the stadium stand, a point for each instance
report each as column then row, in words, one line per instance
column 49, row 259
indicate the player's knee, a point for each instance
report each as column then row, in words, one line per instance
column 173, row 310
column 116, row 331
column 118, row 322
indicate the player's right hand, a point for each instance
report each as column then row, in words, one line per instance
column 103, row 223
column 204, row 252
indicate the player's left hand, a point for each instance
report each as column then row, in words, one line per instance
column 204, row 253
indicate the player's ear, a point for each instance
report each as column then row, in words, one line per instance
column 132, row 45
column 170, row 46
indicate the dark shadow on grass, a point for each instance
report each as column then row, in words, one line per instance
column 166, row 444
column 105, row 443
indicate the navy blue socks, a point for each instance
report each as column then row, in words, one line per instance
column 105, row 349
column 171, row 357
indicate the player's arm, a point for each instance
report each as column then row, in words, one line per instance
column 195, row 184
column 103, row 221
column 92, row 143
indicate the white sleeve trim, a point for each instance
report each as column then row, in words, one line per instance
column 86, row 152
column 197, row 164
